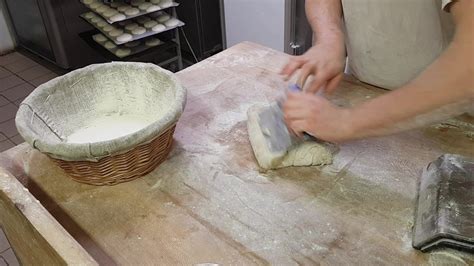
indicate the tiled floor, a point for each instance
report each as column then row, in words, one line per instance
column 19, row 76
column 7, row 256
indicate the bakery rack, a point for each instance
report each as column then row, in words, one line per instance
column 167, row 52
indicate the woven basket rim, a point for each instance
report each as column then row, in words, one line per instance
column 87, row 151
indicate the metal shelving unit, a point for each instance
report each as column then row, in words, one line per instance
column 162, row 54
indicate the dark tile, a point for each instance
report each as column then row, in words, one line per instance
column 18, row 102
column 10, row 257
column 4, row 73
column 18, row 139
column 7, row 112
column 4, row 244
column 9, row 82
column 6, row 145
column 3, row 101
column 18, row 92
column 10, row 58
column 8, row 128
column 21, row 65
column 38, row 81
column 33, row 73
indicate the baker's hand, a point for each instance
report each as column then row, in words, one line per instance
column 324, row 62
column 318, row 117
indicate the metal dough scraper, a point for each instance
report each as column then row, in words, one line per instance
column 445, row 207
column 277, row 136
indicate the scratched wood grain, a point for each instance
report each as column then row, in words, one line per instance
column 210, row 203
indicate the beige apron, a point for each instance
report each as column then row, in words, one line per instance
column 389, row 42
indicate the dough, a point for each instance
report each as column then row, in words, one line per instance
column 117, row 17
column 101, row 8
column 172, row 23
column 96, row 19
column 110, row 13
column 131, row 27
column 132, row 11
column 115, row 32
column 89, row 15
column 166, row 3
column 99, row 38
column 143, row 19
column 136, row 2
column 123, row 8
column 138, row 31
column 150, row 24
column 110, row 45
column 162, row 18
column 144, row 6
column 122, row 52
column 116, row 4
column 152, row 42
column 153, row 8
column 124, row 37
column 159, row 28
column 102, row 24
column 155, row 1
column 94, row 5
column 304, row 154
column 108, row 28
column 132, row 44
column 88, row 2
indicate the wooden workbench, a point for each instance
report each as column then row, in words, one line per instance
column 209, row 203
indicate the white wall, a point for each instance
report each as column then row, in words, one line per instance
column 6, row 32
column 260, row 21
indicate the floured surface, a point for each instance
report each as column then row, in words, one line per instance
column 109, row 127
column 209, row 203
column 308, row 153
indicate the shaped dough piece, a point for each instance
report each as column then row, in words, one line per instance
column 99, row 38
column 304, row 154
column 110, row 45
column 122, row 52
column 152, row 42
column 166, row 3
column 172, row 22
column 144, row 6
column 124, row 37
column 115, row 32
column 163, row 18
column 131, row 26
column 159, row 28
column 150, row 24
column 117, row 17
column 132, row 11
column 123, row 8
column 138, row 31
column 153, row 8
column 155, row 1
column 108, row 28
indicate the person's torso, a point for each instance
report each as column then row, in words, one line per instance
column 389, row 42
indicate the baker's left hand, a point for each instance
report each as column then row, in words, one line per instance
column 315, row 115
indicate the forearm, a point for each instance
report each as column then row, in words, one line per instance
column 444, row 89
column 325, row 18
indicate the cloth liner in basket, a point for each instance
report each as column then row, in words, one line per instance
column 49, row 117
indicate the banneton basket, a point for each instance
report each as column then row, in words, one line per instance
column 106, row 123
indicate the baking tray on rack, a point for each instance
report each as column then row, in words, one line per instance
column 158, row 53
column 115, row 14
column 128, row 49
column 101, row 25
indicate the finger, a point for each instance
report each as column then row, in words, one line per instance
column 291, row 67
column 333, row 83
column 319, row 80
column 299, row 127
column 306, row 71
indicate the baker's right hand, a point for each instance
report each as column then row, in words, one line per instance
column 324, row 62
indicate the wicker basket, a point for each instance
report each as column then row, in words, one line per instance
column 45, row 120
